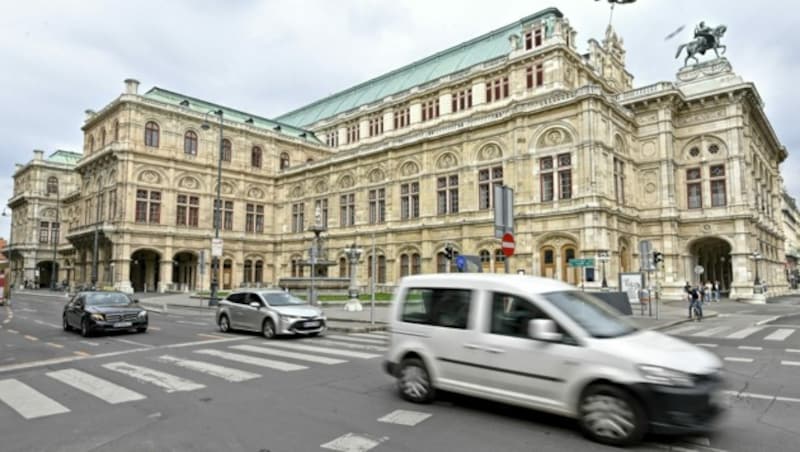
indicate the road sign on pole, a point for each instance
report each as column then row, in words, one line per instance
column 461, row 262
column 503, row 210
column 508, row 244
column 216, row 247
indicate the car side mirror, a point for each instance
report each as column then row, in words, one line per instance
column 255, row 304
column 544, row 330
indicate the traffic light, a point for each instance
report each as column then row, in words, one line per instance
column 448, row 252
column 657, row 257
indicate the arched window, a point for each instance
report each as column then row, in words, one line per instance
column 116, row 130
column 91, row 143
column 548, row 265
column 441, row 262
column 486, row 261
column 190, row 143
column 343, row 267
column 255, row 157
column 103, row 136
column 248, row 271
column 568, row 274
column 227, row 150
column 416, row 264
column 381, row 268
column 52, row 185
column 259, row 272
column 284, row 160
column 151, row 134
column 499, row 261
column 404, row 265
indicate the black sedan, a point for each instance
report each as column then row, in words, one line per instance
column 91, row 312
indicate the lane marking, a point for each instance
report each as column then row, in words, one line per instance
column 351, row 442
column 369, row 336
column 711, row 331
column 187, row 322
column 356, row 339
column 790, row 363
column 154, row 328
column 373, row 348
column 168, row 382
column 82, row 353
column 736, row 359
column 683, row 329
column 741, row 334
column 139, row 344
column 747, row 347
column 761, row 396
column 329, row 351
column 706, row 345
column 405, row 417
column 779, row 335
column 226, row 373
column 93, row 344
column 31, row 338
column 53, row 325
column 98, row 387
column 253, row 361
column 291, row 355
column 12, row 331
column 28, row 402
column 792, row 350
column 53, row 344
column 771, row 319
column 212, row 336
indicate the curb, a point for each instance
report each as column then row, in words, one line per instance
column 710, row 315
column 358, row 329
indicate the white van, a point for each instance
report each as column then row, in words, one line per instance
column 544, row 344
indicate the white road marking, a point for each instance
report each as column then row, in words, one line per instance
column 31, row 338
column 53, row 344
column 169, row 382
column 12, row 331
column 771, row 319
column 226, row 373
column 780, row 335
column 706, row 345
column 737, row 359
column 290, row 355
column 329, row 351
column 356, row 339
column 28, row 402
column 790, row 363
column 369, row 336
column 741, row 334
column 351, row 442
column 762, row 396
column 138, row 344
column 187, row 322
column 372, row 348
column 710, row 332
column 405, row 417
column 93, row 344
column 212, row 336
column 154, row 328
column 792, row 350
column 53, row 325
column 253, row 361
column 102, row 389
column 747, row 347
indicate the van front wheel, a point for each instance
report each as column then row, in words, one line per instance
column 609, row 415
column 414, row 381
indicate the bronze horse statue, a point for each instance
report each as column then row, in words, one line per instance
column 702, row 43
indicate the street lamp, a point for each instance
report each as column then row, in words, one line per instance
column 756, row 258
column 603, row 258
column 53, row 275
column 217, row 208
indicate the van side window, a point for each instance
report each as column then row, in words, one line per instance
column 441, row 307
column 511, row 314
column 237, row 298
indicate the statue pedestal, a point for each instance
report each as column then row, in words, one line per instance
column 707, row 76
column 353, row 305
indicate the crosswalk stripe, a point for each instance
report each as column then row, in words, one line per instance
column 741, row 334
column 356, row 339
column 261, row 362
column 168, row 382
column 710, row 332
column 291, row 355
column 369, row 336
column 28, row 402
column 683, row 329
column 790, row 363
column 226, row 373
column 736, row 359
column 372, row 348
column 102, row 389
column 780, row 335
column 329, row 351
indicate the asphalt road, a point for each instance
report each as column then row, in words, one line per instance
column 184, row 386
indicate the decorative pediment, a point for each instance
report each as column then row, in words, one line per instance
column 555, row 136
column 376, row 175
column 189, row 182
column 490, row 151
column 409, row 169
column 227, row 188
column 447, row 160
column 346, row 181
column 296, row 191
column 321, row 186
column 256, row 193
column 149, row 177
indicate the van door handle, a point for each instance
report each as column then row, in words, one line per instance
column 472, row 346
column 494, row 350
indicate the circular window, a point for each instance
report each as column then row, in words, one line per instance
column 713, row 149
column 694, row 152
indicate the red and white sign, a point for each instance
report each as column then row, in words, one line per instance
column 508, row 244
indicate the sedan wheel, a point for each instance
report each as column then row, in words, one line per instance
column 65, row 323
column 224, row 324
column 268, row 329
column 611, row 416
column 414, row 381
column 85, row 328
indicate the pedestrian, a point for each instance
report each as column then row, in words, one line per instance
column 715, row 291
column 688, row 289
column 694, row 294
column 707, row 292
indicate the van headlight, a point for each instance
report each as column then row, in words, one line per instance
column 667, row 377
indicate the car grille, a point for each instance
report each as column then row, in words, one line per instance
column 300, row 324
column 127, row 317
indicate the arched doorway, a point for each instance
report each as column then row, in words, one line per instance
column 714, row 255
column 227, row 274
column 184, row 271
column 624, row 257
column 144, row 270
column 568, row 274
column 45, row 271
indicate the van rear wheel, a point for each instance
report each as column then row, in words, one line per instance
column 610, row 415
column 414, row 381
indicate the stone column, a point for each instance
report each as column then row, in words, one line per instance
column 164, row 275
column 121, row 276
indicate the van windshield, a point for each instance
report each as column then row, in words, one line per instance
column 593, row 315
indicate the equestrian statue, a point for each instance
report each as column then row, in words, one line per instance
column 705, row 38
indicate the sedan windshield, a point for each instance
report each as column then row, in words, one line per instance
column 590, row 313
column 281, row 299
column 107, row 299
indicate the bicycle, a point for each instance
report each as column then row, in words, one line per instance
column 697, row 311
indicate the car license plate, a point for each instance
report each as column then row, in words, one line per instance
column 122, row 324
column 311, row 324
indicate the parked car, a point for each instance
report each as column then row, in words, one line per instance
column 91, row 312
column 271, row 312
column 543, row 344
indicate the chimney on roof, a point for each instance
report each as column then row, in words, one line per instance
column 131, row 86
column 38, row 154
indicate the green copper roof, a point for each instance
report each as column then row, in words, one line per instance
column 201, row 106
column 67, row 157
column 484, row 48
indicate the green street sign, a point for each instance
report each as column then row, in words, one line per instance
column 581, row 263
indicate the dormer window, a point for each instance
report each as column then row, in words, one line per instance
column 430, row 109
column 353, row 133
column 533, row 38
column 376, row 126
column 402, row 117
column 332, row 138
column 497, row 89
column 462, row 99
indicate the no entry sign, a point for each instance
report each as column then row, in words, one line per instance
column 508, row 244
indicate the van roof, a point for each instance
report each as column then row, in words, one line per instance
column 533, row 284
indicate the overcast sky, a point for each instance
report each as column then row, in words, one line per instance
column 58, row 58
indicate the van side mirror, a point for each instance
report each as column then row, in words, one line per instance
column 255, row 304
column 544, row 330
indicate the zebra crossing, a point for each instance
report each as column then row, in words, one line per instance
column 177, row 372
column 763, row 333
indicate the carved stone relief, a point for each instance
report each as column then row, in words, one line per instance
column 376, row 175
column 297, row 191
column 555, row 137
column 189, row 182
column 447, row 160
column 346, row 181
column 321, row 186
column 490, row 152
column 409, row 168
column 701, row 116
column 149, row 177
column 649, row 149
column 255, row 193
column 227, row 188
column 650, row 183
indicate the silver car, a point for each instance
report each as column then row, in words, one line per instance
column 271, row 312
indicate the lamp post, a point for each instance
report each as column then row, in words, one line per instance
column 11, row 274
column 53, row 275
column 756, row 258
column 217, row 209
column 353, row 254
column 603, row 258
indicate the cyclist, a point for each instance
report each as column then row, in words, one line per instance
column 695, row 303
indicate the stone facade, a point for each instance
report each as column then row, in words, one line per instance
column 596, row 165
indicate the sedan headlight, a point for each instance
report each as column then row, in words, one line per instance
column 98, row 317
column 142, row 315
column 667, row 377
column 289, row 318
